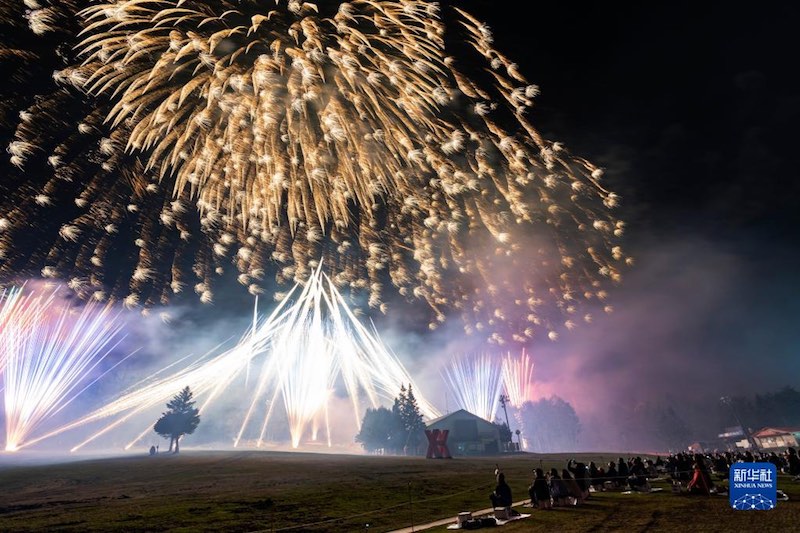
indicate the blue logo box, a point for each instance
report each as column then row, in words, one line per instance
column 753, row 486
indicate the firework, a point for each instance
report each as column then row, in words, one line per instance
column 50, row 350
column 476, row 382
column 309, row 342
column 518, row 378
column 13, row 312
column 272, row 137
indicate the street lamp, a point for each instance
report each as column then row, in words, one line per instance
column 519, row 440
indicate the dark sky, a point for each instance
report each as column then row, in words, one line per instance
column 692, row 109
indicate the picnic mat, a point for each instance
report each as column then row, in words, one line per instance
column 498, row 522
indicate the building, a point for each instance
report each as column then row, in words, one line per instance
column 468, row 434
column 734, row 438
column 774, row 438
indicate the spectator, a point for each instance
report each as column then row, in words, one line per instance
column 573, row 490
column 595, row 478
column 612, row 476
column 581, row 474
column 622, row 468
column 637, row 476
column 558, row 489
column 501, row 497
column 539, row 491
column 792, row 462
column 701, row 482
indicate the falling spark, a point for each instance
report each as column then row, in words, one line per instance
column 288, row 133
column 518, row 378
column 476, row 384
column 50, row 350
column 308, row 342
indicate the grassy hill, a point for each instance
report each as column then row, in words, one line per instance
column 279, row 491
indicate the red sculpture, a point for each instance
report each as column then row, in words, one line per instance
column 437, row 444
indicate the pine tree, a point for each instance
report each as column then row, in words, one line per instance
column 406, row 409
column 181, row 418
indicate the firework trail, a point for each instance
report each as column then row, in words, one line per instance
column 308, row 342
column 271, row 137
column 518, row 384
column 518, row 378
column 476, row 383
column 50, row 350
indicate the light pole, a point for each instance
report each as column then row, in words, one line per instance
column 727, row 401
column 519, row 441
column 503, row 401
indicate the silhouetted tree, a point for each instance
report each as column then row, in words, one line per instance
column 398, row 430
column 181, row 418
column 411, row 419
column 551, row 425
column 380, row 428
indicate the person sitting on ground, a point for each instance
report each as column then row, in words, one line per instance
column 650, row 468
column 701, row 482
column 600, row 481
column 581, row 474
column 594, row 476
column 501, row 497
column 792, row 462
column 573, row 490
column 612, row 476
column 539, row 491
column 558, row 489
column 637, row 476
column 720, row 466
column 622, row 468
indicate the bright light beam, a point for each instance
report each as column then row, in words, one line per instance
column 49, row 349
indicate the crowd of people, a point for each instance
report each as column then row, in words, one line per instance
column 692, row 473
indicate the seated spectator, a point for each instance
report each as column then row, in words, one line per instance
column 612, row 476
column 539, row 491
column 595, row 478
column 792, row 462
column 637, row 476
column 701, row 482
column 573, row 490
column 501, row 497
column 622, row 468
column 558, row 489
column 650, row 469
column 599, row 483
column 581, row 474
column 720, row 466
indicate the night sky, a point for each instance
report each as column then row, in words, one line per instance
column 692, row 111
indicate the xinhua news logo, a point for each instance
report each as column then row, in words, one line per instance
column 753, row 486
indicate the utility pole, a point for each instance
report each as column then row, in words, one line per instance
column 503, row 401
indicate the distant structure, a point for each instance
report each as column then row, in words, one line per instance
column 469, row 434
column 769, row 438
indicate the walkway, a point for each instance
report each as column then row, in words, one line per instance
column 447, row 521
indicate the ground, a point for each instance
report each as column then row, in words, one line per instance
column 276, row 491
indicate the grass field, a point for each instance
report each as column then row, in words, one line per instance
column 278, row 491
